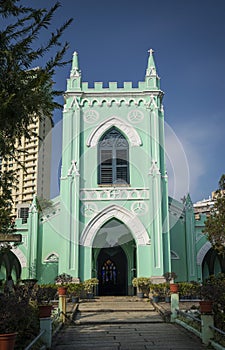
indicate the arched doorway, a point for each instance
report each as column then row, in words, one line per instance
column 212, row 264
column 112, row 271
column 9, row 265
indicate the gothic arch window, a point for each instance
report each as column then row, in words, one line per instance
column 174, row 255
column 53, row 257
column 113, row 153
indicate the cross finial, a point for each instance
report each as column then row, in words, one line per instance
column 151, row 51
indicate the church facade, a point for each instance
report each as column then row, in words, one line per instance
column 113, row 218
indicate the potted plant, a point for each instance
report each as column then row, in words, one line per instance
column 142, row 284
column 157, row 291
column 166, row 292
column 89, row 286
column 43, row 296
column 170, row 277
column 62, row 280
column 17, row 316
column 74, row 290
column 209, row 292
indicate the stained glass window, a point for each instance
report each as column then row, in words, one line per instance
column 109, row 273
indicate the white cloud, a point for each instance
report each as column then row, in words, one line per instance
column 177, row 165
column 189, row 153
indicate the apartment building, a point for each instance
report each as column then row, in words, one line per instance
column 205, row 206
column 33, row 175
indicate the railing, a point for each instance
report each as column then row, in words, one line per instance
column 35, row 340
column 218, row 330
column 189, row 315
column 219, row 337
column 218, row 334
column 194, row 326
column 56, row 321
column 51, row 325
column 203, row 327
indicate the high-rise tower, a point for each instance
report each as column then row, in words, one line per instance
column 33, row 176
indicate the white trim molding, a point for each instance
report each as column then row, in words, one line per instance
column 52, row 257
column 113, row 193
column 202, row 252
column 132, row 222
column 20, row 256
column 126, row 128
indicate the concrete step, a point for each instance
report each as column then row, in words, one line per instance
column 109, row 304
column 115, row 310
column 117, row 317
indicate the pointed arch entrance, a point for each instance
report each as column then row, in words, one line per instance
column 114, row 256
column 212, row 264
column 115, row 226
column 112, row 271
column 9, row 265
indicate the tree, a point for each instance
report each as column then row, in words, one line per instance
column 215, row 223
column 26, row 91
column 222, row 182
column 6, row 180
column 43, row 204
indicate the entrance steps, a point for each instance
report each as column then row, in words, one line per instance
column 108, row 310
column 122, row 323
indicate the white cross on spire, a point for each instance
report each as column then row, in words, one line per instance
column 151, row 51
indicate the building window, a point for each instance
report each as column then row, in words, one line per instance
column 113, row 152
column 23, row 214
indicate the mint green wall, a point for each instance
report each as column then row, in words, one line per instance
column 83, row 207
column 202, row 246
column 87, row 115
column 178, row 245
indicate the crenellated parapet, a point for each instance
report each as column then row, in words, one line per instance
column 150, row 84
column 114, row 87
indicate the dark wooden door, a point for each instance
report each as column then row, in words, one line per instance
column 112, row 271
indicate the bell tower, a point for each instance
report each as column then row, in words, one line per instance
column 114, row 186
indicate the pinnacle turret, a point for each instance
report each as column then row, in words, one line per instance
column 151, row 69
column 151, row 76
column 75, row 65
column 75, row 74
column 34, row 206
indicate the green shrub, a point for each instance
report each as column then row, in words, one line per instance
column 90, row 284
column 142, row 284
column 213, row 288
column 18, row 315
column 75, row 289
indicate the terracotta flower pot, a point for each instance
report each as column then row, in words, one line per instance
column 7, row 341
column 174, row 287
column 62, row 290
column 44, row 311
column 205, row 306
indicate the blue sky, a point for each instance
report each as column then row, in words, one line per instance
column 188, row 37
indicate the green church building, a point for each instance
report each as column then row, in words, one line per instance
column 113, row 218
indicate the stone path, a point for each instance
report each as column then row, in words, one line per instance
column 118, row 323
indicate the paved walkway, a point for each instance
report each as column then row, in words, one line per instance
column 122, row 323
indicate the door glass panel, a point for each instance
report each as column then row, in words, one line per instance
column 109, row 273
